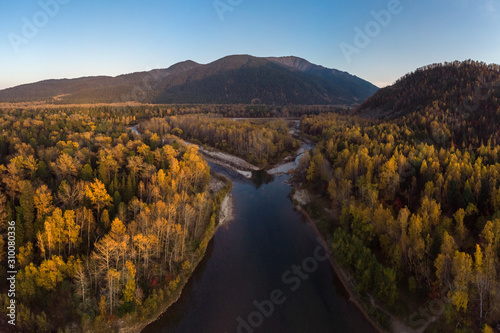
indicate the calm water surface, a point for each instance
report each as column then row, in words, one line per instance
column 250, row 261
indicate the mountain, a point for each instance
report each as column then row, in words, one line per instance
column 93, row 89
column 234, row 79
column 458, row 87
column 450, row 104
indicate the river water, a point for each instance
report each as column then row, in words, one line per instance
column 264, row 271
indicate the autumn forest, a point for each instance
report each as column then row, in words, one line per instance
column 114, row 205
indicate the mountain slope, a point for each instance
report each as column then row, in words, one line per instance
column 457, row 86
column 233, row 79
column 351, row 84
column 91, row 89
column 451, row 104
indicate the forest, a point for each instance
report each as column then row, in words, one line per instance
column 259, row 143
column 459, row 88
column 108, row 223
column 412, row 178
column 418, row 210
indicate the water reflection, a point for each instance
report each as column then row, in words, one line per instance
column 261, row 177
column 255, row 259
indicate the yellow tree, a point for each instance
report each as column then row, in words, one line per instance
column 389, row 178
column 487, row 329
column 97, row 194
column 53, row 232
column 66, row 166
column 460, row 227
column 485, row 265
column 31, row 164
column 60, row 230
column 130, row 286
column 71, row 230
column 135, row 164
column 26, row 281
column 102, row 306
column 481, row 279
column 43, row 202
column 444, row 260
column 25, row 255
column 431, row 213
column 119, row 234
column 14, row 176
column 50, row 273
column 145, row 246
column 3, row 209
column 417, row 247
column 462, row 273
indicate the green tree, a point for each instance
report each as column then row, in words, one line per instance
column 28, row 210
column 87, row 173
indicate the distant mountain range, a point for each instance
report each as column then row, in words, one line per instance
column 234, row 79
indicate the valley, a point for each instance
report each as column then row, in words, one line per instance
column 183, row 217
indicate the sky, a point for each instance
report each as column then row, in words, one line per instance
column 379, row 41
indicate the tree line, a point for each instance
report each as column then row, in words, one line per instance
column 259, row 143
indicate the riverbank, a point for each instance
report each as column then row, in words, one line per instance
column 232, row 162
column 302, row 197
column 220, row 187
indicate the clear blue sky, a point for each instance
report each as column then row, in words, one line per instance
column 111, row 37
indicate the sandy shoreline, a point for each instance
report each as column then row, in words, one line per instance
column 227, row 160
column 226, row 209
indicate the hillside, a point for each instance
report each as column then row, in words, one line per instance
column 454, row 104
column 95, row 89
column 458, row 86
column 234, row 79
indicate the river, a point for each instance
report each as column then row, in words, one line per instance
column 264, row 271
